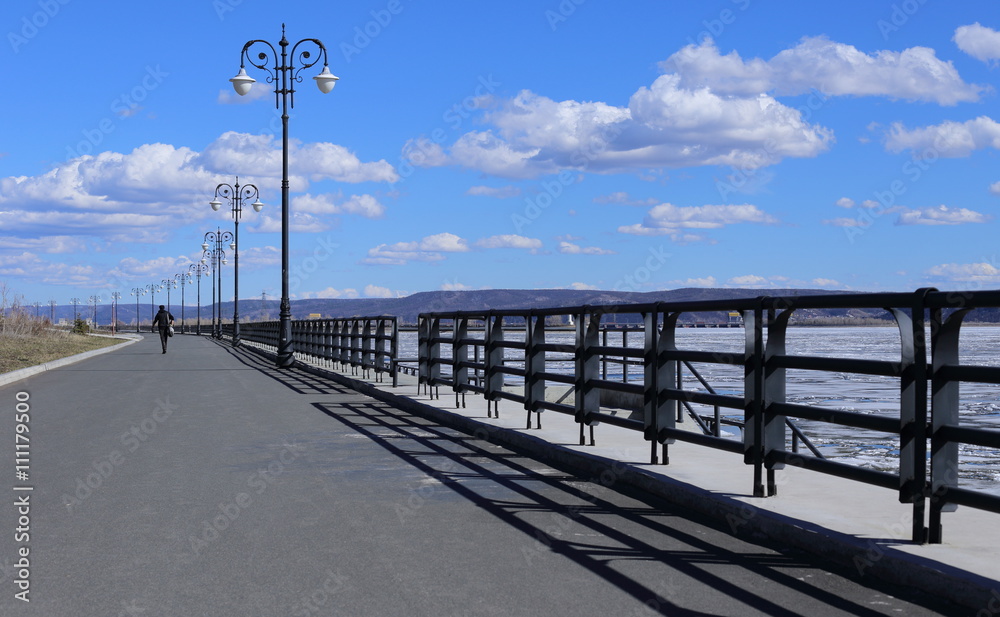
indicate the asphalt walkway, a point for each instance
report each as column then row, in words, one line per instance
column 206, row 482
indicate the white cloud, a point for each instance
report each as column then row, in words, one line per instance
column 569, row 248
column 978, row 41
column 332, row 293
column 374, row 291
column 823, row 282
column 664, row 125
column 995, row 188
column 941, row 215
column 509, row 241
column 845, row 202
column 749, row 280
column 831, row 68
column 965, row 273
column 428, row 249
column 668, row 219
column 708, row 281
column 583, row 286
column 364, row 205
column 502, row 192
column 948, row 139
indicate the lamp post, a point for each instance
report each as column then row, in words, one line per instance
column 95, row 300
column 236, row 195
column 184, row 278
column 284, row 75
column 115, row 297
column 168, row 283
column 152, row 288
column 137, row 291
column 52, row 311
column 198, row 271
column 76, row 313
column 218, row 256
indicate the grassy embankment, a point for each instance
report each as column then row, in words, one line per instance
column 28, row 342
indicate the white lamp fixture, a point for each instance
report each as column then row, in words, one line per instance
column 325, row 81
column 242, row 82
column 257, row 205
column 216, row 204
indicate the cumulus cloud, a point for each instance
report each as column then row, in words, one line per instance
column 374, row 291
column 748, row 280
column 670, row 220
column 948, row 139
column 978, row 41
column 332, row 293
column 509, row 241
column 137, row 195
column 965, row 273
column 502, row 192
column 941, row 215
column 568, row 248
column 429, row 248
column 829, row 67
column 363, row 205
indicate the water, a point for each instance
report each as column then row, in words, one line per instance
column 979, row 403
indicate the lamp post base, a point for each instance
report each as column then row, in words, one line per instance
column 286, row 357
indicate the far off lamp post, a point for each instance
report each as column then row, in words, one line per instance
column 94, row 300
column 236, row 195
column 198, row 271
column 217, row 255
column 115, row 297
column 52, row 311
column 168, row 283
column 152, row 288
column 76, row 313
column 184, row 278
column 137, row 291
column 284, row 75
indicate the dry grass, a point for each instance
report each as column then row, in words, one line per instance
column 25, row 342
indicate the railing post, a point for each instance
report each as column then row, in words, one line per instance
column 534, row 386
column 588, row 366
column 944, row 411
column 460, row 355
column 774, row 392
column 753, row 388
column 661, row 408
column 494, row 362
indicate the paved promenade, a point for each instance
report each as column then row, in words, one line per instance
column 205, row 482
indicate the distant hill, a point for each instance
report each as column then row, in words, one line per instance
column 409, row 307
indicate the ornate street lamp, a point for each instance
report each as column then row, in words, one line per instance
column 198, row 271
column 52, row 311
column 284, row 75
column 95, row 300
column 168, row 283
column 184, row 278
column 236, row 195
column 76, row 313
column 115, row 297
column 137, row 291
column 218, row 257
column 152, row 288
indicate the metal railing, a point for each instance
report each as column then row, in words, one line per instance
column 507, row 355
column 361, row 343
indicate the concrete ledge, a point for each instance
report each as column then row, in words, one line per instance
column 24, row 373
column 880, row 557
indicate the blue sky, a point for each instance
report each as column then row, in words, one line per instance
column 635, row 146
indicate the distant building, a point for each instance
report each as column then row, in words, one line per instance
column 315, row 316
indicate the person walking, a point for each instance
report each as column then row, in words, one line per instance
column 163, row 320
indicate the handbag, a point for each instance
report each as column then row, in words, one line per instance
column 170, row 330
